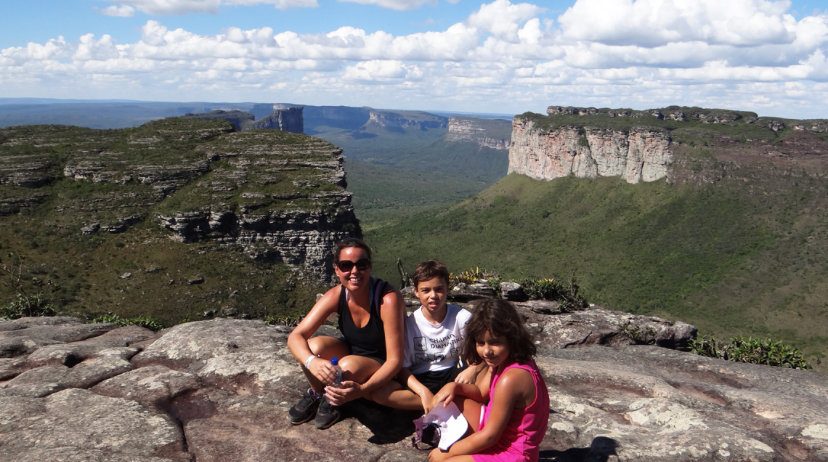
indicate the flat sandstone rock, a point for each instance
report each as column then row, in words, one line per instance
column 219, row 390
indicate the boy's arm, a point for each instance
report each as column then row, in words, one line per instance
column 450, row 390
column 406, row 377
column 469, row 375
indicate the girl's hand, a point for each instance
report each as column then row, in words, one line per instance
column 437, row 455
column 344, row 392
column 322, row 370
column 445, row 395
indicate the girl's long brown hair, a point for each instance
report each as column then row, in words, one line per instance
column 498, row 317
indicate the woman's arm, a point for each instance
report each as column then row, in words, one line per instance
column 298, row 338
column 510, row 392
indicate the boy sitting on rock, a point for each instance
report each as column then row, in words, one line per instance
column 433, row 342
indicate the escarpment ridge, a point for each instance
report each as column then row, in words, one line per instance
column 638, row 145
column 147, row 209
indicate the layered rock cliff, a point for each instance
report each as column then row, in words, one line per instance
column 643, row 145
column 278, row 195
column 406, row 119
column 638, row 154
column 285, row 119
column 494, row 134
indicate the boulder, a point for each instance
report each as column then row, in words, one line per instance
column 88, row 427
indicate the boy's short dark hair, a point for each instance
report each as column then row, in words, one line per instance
column 429, row 270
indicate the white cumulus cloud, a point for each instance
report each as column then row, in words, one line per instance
column 123, row 11
column 505, row 56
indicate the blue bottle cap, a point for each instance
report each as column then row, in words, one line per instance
column 334, row 361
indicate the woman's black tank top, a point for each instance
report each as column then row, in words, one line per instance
column 369, row 340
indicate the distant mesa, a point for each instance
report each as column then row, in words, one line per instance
column 635, row 145
column 494, row 134
column 288, row 119
column 406, row 119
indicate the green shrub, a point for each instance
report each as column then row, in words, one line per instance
column 750, row 350
column 26, row 306
column 151, row 323
column 566, row 293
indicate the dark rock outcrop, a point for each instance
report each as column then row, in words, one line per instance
column 219, row 390
column 288, row 120
column 235, row 117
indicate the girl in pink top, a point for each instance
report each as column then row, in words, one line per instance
column 513, row 422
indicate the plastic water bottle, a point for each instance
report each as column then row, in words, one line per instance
column 335, row 364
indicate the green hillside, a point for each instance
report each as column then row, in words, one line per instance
column 743, row 256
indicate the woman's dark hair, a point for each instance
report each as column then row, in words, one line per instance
column 429, row 270
column 500, row 319
column 350, row 242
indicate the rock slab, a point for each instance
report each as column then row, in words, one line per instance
column 219, row 390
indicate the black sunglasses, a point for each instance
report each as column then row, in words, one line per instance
column 347, row 265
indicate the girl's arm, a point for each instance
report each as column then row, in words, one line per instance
column 298, row 338
column 510, row 392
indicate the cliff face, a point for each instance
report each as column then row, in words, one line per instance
column 400, row 120
column 636, row 155
column 277, row 196
column 487, row 133
column 285, row 119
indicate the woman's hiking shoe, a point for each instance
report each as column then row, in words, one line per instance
column 327, row 414
column 305, row 409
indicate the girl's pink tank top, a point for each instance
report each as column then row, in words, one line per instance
column 526, row 428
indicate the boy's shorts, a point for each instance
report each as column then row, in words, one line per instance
column 435, row 380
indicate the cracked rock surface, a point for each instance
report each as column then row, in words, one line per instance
column 219, row 390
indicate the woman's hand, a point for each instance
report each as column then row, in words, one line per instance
column 344, row 392
column 322, row 370
column 445, row 395
column 437, row 455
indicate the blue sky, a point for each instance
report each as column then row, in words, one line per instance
column 495, row 56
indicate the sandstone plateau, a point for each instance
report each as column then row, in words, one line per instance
column 634, row 145
column 492, row 134
column 219, row 390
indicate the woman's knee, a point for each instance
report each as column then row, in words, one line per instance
column 327, row 347
column 358, row 368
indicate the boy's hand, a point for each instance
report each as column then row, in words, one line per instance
column 445, row 395
column 428, row 400
column 467, row 375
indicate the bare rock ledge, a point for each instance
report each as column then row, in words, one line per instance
column 219, row 390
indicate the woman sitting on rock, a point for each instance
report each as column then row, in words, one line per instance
column 371, row 314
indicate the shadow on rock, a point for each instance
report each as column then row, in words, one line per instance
column 599, row 450
column 389, row 426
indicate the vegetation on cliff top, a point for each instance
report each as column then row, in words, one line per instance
column 129, row 266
